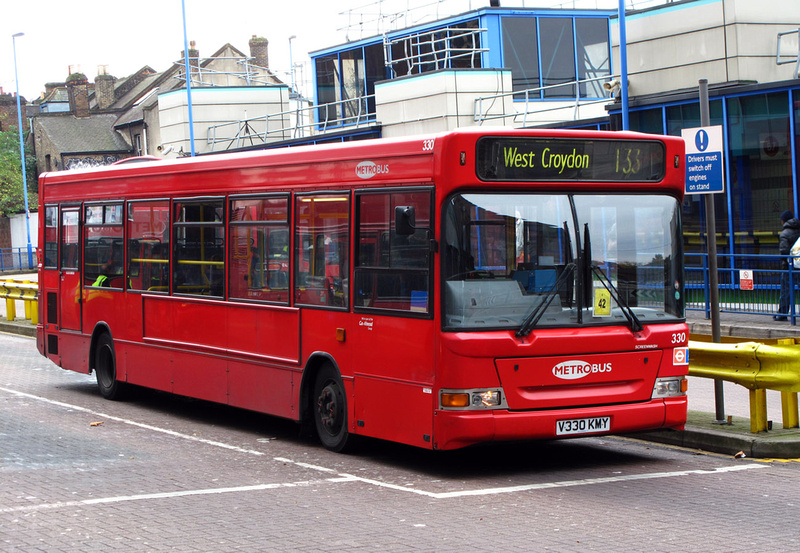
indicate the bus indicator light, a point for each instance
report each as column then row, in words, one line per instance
column 455, row 400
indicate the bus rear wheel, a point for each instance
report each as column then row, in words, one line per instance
column 330, row 410
column 105, row 368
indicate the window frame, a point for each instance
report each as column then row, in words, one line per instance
column 127, row 245
column 430, row 269
column 103, row 224
column 297, row 243
column 176, row 225
column 57, row 228
column 287, row 224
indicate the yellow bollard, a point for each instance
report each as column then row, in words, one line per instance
column 789, row 410
column 11, row 309
column 758, row 410
column 26, row 303
column 789, row 405
column 35, row 313
column 11, row 304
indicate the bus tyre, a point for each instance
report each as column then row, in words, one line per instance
column 105, row 368
column 330, row 410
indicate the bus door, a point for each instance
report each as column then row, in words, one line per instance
column 70, row 275
column 49, row 283
column 392, row 339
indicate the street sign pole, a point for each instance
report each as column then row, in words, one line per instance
column 713, row 275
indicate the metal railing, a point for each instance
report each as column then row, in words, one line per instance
column 530, row 101
column 20, row 290
column 761, row 297
column 14, row 259
column 353, row 113
column 794, row 57
column 436, row 49
column 205, row 76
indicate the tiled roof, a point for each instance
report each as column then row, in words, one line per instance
column 96, row 133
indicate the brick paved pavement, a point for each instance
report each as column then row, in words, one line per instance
column 171, row 474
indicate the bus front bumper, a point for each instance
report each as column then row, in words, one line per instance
column 455, row 429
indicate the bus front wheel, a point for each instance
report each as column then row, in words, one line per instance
column 105, row 368
column 330, row 410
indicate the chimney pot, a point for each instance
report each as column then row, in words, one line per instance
column 259, row 51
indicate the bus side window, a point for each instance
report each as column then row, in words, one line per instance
column 148, row 246
column 259, row 251
column 322, row 250
column 51, row 237
column 393, row 270
column 198, row 262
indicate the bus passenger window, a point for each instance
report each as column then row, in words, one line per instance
column 322, row 250
column 393, row 269
column 259, row 252
column 51, row 237
column 148, row 246
column 199, row 245
column 103, row 247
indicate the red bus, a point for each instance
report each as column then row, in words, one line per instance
column 441, row 291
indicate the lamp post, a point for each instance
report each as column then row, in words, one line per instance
column 292, row 93
column 623, row 57
column 14, row 38
column 188, row 80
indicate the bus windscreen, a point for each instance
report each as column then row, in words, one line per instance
column 558, row 159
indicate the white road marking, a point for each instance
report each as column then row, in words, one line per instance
column 341, row 477
column 165, row 495
column 133, row 423
column 551, row 485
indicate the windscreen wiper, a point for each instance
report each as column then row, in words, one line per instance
column 537, row 312
column 636, row 324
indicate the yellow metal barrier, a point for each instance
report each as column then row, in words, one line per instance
column 757, row 367
column 26, row 291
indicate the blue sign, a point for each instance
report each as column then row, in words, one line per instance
column 704, row 160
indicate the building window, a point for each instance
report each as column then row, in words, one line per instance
column 549, row 51
column 346, row 85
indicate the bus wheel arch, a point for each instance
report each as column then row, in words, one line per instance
column 103, row 362
column 325, row 404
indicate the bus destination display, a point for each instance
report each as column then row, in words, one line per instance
column 554, row 159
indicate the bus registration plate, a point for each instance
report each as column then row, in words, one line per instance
column 583, row 426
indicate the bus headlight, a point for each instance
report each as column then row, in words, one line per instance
column 670, row 387
column 472, row 399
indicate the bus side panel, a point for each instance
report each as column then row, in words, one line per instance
column 219, row 350
column 102, row 304
column 271, row 332
column 201, row 375
column 148, row 366
column 397, row 411
column 262, row 388
column 393, row 359
column 196, row 329
column 73, row 348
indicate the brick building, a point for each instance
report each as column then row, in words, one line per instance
column 111, row 119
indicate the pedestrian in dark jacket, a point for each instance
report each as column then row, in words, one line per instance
column 788, row 236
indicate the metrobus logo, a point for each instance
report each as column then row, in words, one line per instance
column 573, row 370
column 368, row 169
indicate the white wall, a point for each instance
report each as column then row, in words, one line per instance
column 19, row 236
column 220, row 105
